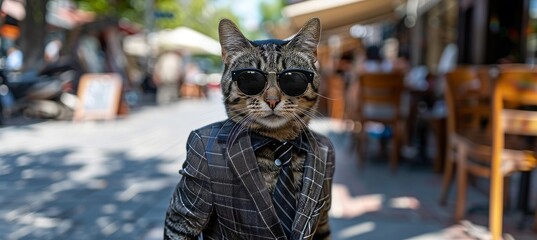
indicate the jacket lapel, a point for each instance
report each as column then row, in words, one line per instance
column 312, row 182
column 243, row 162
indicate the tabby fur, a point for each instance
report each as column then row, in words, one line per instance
column 291, row 115
column 221, row 194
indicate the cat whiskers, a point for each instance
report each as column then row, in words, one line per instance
column 226, row 98
column 230, row 120
column 311, row 109
column 298, row 107
column 327, row 98
column 307, row 130
column 237, row 111
column 312, row 115
column 238, row 128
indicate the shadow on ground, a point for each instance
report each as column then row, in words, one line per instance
column 81, row 194
column 375, row 203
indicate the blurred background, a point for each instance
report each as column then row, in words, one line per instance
column 97, row 98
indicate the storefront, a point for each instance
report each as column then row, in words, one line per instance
column 490, row 32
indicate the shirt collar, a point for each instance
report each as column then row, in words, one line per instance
column 259, row 141
column 301, row 142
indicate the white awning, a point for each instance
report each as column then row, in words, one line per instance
column 14, row 8
column 338, row 13
column 181, row 38
column 187, row 39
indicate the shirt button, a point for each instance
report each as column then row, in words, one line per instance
column 278, row 162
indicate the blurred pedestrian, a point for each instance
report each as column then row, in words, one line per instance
column 374, row 62
column 14, row 59
column 344, row 68
column 166, row 76
column 402, row 62
column 192, row 86
column 369, row 60
column 52, row 50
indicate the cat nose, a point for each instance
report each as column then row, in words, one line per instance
column 272, row 101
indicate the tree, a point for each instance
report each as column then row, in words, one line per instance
column 271, row 11
column 196, row 14
column 33, row 32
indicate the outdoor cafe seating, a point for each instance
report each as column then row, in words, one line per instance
column 379, row 100
column 467, row 96
column 488, row 132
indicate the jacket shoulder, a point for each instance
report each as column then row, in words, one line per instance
column 323, row 140
column 210, row 126
column 210, row 130
column 208, row 137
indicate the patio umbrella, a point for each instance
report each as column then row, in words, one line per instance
column 184, row 38
column 135, row 45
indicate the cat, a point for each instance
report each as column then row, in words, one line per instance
column 270, row 90
column 270, row 55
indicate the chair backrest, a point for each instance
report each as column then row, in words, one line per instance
column 381, row 89
column 336, row 92
column 467, row 99
column 515, row 101
column 515, row 89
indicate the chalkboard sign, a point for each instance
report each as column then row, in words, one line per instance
column 99, row 96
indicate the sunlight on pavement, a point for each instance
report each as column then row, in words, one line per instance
column 325, row 125
column 94, row 165
column 346, row 206
column 405, row 203
column 148, row 185
column 356, row 230
column 463, row 231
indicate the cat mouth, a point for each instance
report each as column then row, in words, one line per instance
column 272, row 121
column 272, row 116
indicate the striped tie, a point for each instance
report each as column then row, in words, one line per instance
column 284, row 193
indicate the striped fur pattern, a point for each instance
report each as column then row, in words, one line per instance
column 291, row 115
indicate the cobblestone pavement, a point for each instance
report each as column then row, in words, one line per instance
column 113, row 180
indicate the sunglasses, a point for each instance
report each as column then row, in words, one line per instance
column 292, row 82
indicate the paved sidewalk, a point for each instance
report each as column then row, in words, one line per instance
column 95, row 180
column 113, row 180
column 378, row 204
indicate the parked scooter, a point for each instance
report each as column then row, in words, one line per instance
column 38, row 94
column 42, row 92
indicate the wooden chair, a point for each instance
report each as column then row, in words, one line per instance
column 336, row 93
column 467, row 100
column 379, row 100
column 500, row 154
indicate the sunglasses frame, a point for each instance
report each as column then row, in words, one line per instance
column 309, row 77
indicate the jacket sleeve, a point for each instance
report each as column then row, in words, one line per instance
column 191, row 204
column 323, row 226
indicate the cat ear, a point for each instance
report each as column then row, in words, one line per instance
column 231, row 39
column 307, row 39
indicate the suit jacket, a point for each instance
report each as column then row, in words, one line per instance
column 222, row 194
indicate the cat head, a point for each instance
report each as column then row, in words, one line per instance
column 282, row 107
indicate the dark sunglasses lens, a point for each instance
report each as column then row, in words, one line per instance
column 250, row 82
column 293, row 83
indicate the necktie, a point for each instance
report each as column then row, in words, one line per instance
column 284, row 193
